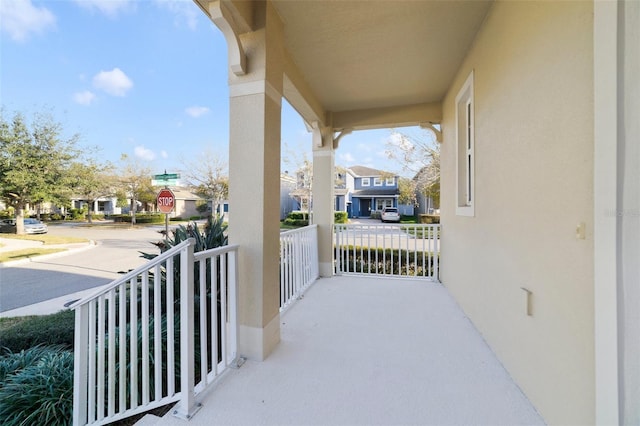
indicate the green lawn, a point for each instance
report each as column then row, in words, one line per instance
column 27, row 253
column 46, row 239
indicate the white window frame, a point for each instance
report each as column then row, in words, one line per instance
column 465, row 150
column 382, row 203
column 377, row 181
column 390, row 181
column 365, row 182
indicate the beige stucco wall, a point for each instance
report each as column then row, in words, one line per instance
column 533, row 68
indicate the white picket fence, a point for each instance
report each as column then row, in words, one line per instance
column 298, row 263
column 410, row 250
column 140, row 340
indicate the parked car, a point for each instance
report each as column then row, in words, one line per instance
column 390, row 214
column 31, row 226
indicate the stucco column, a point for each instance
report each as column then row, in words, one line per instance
column 323, row 196
column 254, row 184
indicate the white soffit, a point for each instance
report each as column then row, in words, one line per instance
column 358, row 55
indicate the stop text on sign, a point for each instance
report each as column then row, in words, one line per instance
column 166, row 201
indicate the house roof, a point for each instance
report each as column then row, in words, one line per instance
column 362, row 171
column 374, row 192
column 184, row 194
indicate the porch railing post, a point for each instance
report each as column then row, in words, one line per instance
column 80, row 365
column 232, row 279
column 187, row 405
column 436, row 253
column 337, row 250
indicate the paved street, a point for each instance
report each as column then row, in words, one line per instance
column 115, row 250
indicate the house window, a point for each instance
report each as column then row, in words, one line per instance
column 377, row 181
column 390, row 181
column 366, row 182
column 465, row 170
column 384, row 202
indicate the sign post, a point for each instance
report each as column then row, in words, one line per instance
column 166, row 202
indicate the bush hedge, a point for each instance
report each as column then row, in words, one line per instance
column 340, row 217
column 140, row 218
column 54, row 329
column 302, row 219
column 429, row 218
column 36, row 387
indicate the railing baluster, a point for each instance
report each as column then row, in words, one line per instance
column 111, row 350
column 122, row 346
column 157, row 332
column 215, row 286
column 144, row 320
column 202, row 272
column 100, row 362
column 169, row 288
column 133, row 340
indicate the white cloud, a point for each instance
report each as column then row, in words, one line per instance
column 20, row 18
column 114, row 82
column 184, row 11
column 347, row 158
column 197, row 111
column 144, row 153
column 164, row 154
column 110, row 8
column 84, row 98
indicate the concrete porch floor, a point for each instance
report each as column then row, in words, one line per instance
column 370, row 351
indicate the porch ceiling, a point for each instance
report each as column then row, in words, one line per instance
column 366, row 64
column 359, row 55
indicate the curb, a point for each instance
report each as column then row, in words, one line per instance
column 91, row 244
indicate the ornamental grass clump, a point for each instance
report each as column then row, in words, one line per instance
column 36, row 387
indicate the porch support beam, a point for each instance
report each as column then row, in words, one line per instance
column 323, row 196
column 254, row 183
column 380, row 118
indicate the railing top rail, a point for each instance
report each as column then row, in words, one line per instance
column 295, row 231
column 131, row 274
column 395, row 225
column 215, row 251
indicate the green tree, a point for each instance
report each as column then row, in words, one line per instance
column 135, row 180
column 91, row 180
column 419, row 155
column 407, row 188
column 34, row 161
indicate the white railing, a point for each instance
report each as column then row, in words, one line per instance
column 160, row 334
column 388, row 250
column 298, row 263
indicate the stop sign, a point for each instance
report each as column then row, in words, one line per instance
column 166, row 201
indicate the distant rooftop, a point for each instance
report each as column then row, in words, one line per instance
column 362, row 171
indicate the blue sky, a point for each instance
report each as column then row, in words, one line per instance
column 146, row 78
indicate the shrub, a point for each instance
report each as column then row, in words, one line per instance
column 38, row 389
column 298, row 216
column 176, row 219
column 195, row 217
column 296, row 222
column 56, row 216
column 376, row 214
column 340, row 217
column 54, row 329
column 140, row 218
column 429, row 218
column 76, row 214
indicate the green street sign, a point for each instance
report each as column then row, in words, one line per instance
column 167, row 176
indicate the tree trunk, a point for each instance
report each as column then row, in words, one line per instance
column 89, row 210
column 20, row 220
